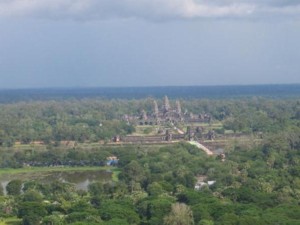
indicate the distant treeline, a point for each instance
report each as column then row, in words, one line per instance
column 185, row 92
column 94, row 119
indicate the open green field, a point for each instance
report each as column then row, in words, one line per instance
column 10, row 221
column 25, row 172
column 53, row 169
column 144, row 130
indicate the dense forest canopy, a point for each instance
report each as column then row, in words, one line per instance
column 99, row 119
column 257, row 183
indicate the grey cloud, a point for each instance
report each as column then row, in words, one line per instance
column 146, row 9
column 269, row 3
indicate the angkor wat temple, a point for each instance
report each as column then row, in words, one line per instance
column 166, row 114
column 169, row 119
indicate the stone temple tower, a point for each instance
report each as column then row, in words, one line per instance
column 166, row 106
column 156, row 112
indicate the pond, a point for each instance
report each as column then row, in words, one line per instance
column 80, row 179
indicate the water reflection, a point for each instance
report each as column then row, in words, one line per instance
column 80, row 179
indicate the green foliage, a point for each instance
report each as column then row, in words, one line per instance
column 52, row 220
column 32, row 196
column 31, row 212
column 119, row 209
column 62, row 120
column 257, row 184
column 153, row 210
column 28, row 208
column 31, row 219
column 96, row 188
column 1, row 190
column 206, row 222
column 180, row 214
column 86, row 223
column 84, row 216
column 133, row 174
column 201, row 213
column 116, row 221
column 154, row 189
column 14, row 187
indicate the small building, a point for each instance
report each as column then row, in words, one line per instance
column 116, row 138
column 112, row 161
column 201, row 184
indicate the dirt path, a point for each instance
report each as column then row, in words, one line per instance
column 178, row 130
column 202, row 147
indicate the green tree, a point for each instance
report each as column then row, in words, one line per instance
column 96, row 188
column 180, row 214
column 1, row 190
column 32, row 196
column 119, row 210
column 154, row 209
column 31, row 219
column 82, row 216
column 116, row 221
column 229, row 219
column 14, row 187
column 133, row 174
column 52, row 220
column 31, row 212
column 206, row 222
column 154, row 189
column 29, row 208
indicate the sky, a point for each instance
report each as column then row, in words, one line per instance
column 110, row 43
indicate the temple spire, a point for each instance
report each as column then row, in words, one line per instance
column 155, row 108
column 178, row 107
column 167, row 106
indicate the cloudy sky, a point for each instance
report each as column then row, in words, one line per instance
column 88, row 43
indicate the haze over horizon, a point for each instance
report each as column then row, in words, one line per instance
column 115, row 43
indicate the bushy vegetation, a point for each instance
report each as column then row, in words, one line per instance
column 93, row 120
column 256, row 184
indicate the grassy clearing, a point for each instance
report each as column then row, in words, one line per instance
column 31, row 173
column 144, row 130
column 52, row 169
column 115, row 175
column 10, row 221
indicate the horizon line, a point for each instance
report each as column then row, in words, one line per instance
column 150, row 86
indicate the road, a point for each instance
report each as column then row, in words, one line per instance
column 202, row 147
